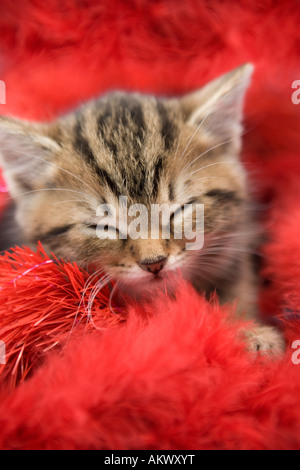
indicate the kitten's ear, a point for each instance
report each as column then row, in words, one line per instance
column 24, row 149
column 218, row 106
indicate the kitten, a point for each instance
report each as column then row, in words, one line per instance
column 153, row 151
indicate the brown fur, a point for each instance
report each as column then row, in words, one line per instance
column 151, row 150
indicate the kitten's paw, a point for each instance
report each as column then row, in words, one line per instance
column 265, row 340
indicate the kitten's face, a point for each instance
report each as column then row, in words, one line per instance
column 149, row 150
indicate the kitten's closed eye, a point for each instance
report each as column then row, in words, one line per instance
column 104, row 231
column 91, row 226
column 54, row 232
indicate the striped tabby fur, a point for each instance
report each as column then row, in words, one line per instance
column 151, row 150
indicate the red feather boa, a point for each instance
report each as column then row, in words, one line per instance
column 174, row 374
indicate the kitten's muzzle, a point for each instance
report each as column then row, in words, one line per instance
column 153, row 266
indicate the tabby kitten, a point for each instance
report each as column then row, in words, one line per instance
column 153, row 151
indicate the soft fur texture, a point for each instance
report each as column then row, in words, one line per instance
column 183, row 378
column 148, row 151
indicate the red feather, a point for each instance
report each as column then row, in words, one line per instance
column 175, row 374
column 43, row 304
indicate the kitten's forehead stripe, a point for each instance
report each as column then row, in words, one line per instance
column 156, row 174
column 127, row 142
column 82, row 145
column 168, row 129
column 108, row 180
column 136, row 182
column 136, row 120
column 128, row 128
column 120, row 123
column 103, row 123
column 171, row 191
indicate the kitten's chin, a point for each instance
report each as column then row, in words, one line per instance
column 147, row 289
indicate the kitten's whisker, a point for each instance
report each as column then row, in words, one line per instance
column 89, row 281
column 86, row 285
column 212, row 266
column 95, row 291
column 215, row 146
column 205, row 271
column 177, row 148
column 235, row 233
column 233, row 236
column 218, row 240
column 210, row 111
column 206, row 177
column 111, row 297
column 184, row 157
column 209, row 150
column 175, row 162
column 50, row 163
column 213, row 164
column 201, row 274
column 66, row 200
column 53, row 189
column 217, row 249
column 210, row 273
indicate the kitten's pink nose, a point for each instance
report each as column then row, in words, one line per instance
column 153, row 266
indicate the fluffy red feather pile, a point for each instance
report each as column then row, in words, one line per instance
column 173, row 374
